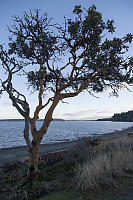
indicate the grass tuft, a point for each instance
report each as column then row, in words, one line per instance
column 111, row 159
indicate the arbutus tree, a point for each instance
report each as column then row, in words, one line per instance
column 61, row 61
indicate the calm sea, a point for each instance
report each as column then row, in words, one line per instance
column 11, row 132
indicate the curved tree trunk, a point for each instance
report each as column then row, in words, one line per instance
column 37, row 138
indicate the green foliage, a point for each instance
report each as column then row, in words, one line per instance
column 61, row 195
column 129, row 38
column 32, row 41
column 11, row 181
column 123, row 117
column 77, row 10
column 110, row 26
column 93, row 62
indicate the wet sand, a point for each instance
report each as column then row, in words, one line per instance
column 20, row 154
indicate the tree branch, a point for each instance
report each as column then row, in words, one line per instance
column 73, row 94
column 48, row 117
column 39, row 107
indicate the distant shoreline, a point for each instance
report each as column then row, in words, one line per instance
column 23, row 120
column 63, row 120
column 52, row 120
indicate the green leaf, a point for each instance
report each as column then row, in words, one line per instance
column 77, row 9
column 128, row 38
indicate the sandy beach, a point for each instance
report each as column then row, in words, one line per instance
column 20, row 154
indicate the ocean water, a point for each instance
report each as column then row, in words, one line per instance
column 11, row 132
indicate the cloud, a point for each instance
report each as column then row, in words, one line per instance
column 80, row 113
column 104, row 111
column 89, row 114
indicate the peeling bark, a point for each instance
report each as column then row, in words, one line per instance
column 33, row 163
column 26, row 132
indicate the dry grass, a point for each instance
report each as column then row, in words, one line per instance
column 111, row 159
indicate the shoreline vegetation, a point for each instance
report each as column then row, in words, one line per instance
column 73, row 170
column 120, row 117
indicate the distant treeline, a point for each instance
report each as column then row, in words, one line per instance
column 123, row 117
column 120, row 117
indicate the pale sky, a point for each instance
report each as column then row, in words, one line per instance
column 84, row 106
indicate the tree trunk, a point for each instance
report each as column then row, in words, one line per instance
column 33, row 163
column 37, row 138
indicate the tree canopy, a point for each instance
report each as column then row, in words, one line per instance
column 92, row 61
column 61, row 61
